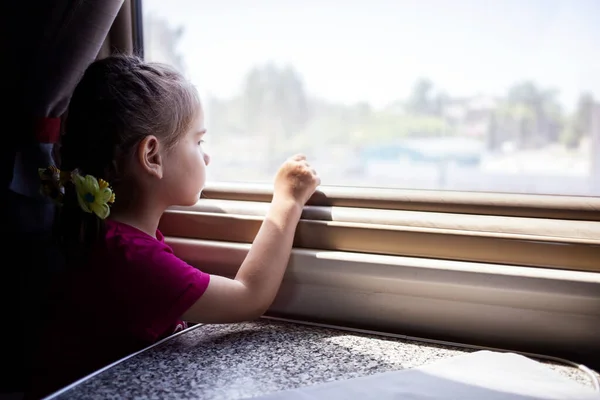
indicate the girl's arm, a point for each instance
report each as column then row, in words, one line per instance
column 254, row 288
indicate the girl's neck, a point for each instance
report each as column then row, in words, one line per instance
column 141, row 212
column 144, row 223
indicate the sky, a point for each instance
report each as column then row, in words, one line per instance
column 374, row 50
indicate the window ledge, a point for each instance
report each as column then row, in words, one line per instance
column 525, row 241
column 478, row 203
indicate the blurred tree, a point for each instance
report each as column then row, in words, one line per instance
column 578, row 125
column 275, row 104
column 274, row 99
column 161, row 42
column 421, row 99
column 530, row 116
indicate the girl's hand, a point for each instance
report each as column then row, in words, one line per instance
column 296, row 180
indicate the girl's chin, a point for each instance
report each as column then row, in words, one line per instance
column 195, row 199
column 187, row 200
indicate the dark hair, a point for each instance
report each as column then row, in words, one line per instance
column 118, row 102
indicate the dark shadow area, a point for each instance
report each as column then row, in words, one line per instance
column 25, row 285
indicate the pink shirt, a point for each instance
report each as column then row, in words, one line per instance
column 133, row 293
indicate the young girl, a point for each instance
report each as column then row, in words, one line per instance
column 133, row 147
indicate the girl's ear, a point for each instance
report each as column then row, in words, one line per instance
column 149, row 156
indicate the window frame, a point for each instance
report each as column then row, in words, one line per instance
column 523, row 230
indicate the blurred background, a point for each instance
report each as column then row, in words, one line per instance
column 499, row 96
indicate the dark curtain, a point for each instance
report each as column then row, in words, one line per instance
column 46, row 46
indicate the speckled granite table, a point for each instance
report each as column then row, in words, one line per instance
column 245, row 360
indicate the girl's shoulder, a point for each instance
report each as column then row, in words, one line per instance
column 126, row 234
column 126, row 244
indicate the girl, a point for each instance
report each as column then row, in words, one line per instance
column 133, row 147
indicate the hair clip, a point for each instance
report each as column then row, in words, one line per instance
column 94, row 195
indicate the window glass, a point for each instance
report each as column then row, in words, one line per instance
column 467, row 95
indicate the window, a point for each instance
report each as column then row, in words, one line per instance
column 465, row 95
column 492, row 106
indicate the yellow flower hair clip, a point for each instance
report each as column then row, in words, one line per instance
column 94, row 195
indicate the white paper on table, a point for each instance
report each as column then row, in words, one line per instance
column 483, row 375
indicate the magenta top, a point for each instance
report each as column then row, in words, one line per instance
column 132, row 293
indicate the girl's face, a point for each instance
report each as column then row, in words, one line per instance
column 185, row 165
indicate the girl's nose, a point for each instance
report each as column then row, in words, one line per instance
column 206, row 159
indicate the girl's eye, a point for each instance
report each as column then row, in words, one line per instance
column 200, row 142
